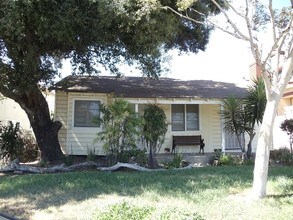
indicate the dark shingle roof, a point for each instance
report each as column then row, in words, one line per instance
column 139, row 87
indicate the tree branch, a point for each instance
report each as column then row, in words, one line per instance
column 234, row 27
column 182, row 15
column 272, row 16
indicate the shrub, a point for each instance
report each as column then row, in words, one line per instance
column 282, row 155
column 134, row 155
column 91, row 154
column 176, row 162
column 121, row 128
column 67, row 160
column 11, row 143
column 154, row 129
column 15, row 143
column 226, row 160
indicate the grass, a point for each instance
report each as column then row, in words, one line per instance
column 201, row 193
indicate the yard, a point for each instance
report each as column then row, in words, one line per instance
column 199, row 193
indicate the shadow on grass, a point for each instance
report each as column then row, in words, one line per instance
column 43, row 191
column 280, row 196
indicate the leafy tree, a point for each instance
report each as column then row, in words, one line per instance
column 155, row 128
column 35, row 36
column 233, row 117
column 275, row 63
column 241, row 115
column 287, row 126
column 120, row 126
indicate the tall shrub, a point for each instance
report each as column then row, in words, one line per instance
column 11, row 143
column 241, row 115
column 120, row 128
column 155, row 128
column 287, row 126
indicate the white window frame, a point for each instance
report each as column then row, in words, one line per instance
column 73, row 112
column 185, row 118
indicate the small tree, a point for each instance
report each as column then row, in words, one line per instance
column 120, row 127
column 241, row 115
column 287, row 126
column 233, row 117
column 155, row 128
column 255, row 104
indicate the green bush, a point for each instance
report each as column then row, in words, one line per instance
column 282, row 155
column 176, row 162
column 226, row 160
column 133, row 155
column 15, row 143
column 124, row 211
column 11, row 143
column 67, row 160
column 91, row 155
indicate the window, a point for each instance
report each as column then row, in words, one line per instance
column 232, row 142
column 85, row 112
column 185, row 118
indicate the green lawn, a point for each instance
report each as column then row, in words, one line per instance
column 199, row 193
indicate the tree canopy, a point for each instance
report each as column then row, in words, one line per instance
column 35, row 36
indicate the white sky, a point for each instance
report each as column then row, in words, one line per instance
column 225, row 59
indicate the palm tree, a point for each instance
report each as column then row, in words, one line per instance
column 255, row 103
column 232, row 115
column 241, row 115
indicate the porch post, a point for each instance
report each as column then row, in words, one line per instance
column 223, row 131
column 136, row 108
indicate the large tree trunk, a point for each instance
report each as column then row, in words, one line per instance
column 46, row 131
column 263, row 150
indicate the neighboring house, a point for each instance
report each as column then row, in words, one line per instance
column 11, row 111
column 191, row 107
column 285, row 111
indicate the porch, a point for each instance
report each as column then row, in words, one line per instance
column 193, row 158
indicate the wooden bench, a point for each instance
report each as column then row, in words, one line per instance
column 188, row 140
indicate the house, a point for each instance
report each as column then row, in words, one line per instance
column 11, row 111
column 285, row 111
column 191, row 107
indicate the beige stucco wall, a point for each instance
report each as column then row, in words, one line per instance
column 11, row 111
column 78, row 140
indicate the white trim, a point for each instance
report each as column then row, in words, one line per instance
column 72, row 97
column 68, row 119
column 185, row 131
column 83, row 129
column 174, row 101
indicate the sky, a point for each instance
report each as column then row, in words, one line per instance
column 225, row 59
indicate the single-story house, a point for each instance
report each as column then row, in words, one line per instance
column 192, row 108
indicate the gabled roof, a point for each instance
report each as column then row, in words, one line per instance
column 140, row 87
